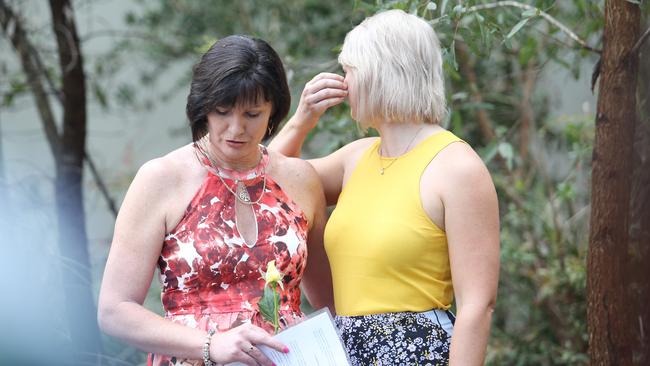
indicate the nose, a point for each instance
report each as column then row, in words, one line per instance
column 236, row 125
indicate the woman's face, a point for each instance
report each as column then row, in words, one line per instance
column 352, row 93
column 235, row 133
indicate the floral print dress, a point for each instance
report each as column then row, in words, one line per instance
column 398, row 339
column 210, row 276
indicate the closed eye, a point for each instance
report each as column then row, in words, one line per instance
column 221, row 111
column 252, row 114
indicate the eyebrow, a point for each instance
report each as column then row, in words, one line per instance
column 244, row 106
column 256, row 106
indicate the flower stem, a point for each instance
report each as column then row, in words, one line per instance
column 275, row 308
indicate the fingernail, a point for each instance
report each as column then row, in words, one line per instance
column 285, row 350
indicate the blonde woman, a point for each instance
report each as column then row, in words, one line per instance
column 416, row 218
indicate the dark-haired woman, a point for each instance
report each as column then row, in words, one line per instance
column 211, row 215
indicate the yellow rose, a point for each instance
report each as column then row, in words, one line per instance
column 272, row 274
column 269, row 303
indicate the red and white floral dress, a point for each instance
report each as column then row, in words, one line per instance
column 210, row 276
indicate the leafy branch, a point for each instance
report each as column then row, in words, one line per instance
column 530, row 11
column 12, row 26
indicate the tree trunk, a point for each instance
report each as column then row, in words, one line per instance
column 73, row 243
column 29, row 59
column 640, row 214
column 610, row 320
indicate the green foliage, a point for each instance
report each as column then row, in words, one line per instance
column 541, row 314
column 305, row 33
column 492, row 58
column 16, row 88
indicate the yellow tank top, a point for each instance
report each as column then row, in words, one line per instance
column 385, row 253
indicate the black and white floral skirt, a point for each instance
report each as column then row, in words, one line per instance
column 392, row 339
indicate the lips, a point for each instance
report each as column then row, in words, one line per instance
column 235, row 143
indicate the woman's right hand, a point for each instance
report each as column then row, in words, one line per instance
column 320, row 93
column 240, row 345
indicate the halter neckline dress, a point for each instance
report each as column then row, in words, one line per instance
column 210, row 277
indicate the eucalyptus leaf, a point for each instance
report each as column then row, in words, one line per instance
column 489, row 153
column 517, row 27
column 460, row 96
column 443, row 7
column 477, row 105
column 530, row 13
column 507, row 152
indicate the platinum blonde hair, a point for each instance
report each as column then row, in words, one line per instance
column 396, row 64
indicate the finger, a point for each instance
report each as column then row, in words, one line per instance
column 258, row 356
column 325, row 84
column 327, row 94
column 324, row 104
column 265, row 339
column 330, row 102
column 327, row 75
column 246, row 359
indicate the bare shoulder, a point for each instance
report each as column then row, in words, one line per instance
column 167, row 170
column 162, row 180
column 463, row 169
column 300, row 182
column 345, row 157
column 163, row 187
column 357, row 146
column 349, row 155
column 289, row 170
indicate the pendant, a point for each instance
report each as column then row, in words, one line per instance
column 381, row 171
column 242, row 192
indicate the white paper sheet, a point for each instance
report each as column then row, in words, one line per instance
column 313, row 342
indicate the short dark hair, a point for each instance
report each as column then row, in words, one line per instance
column 237, row 70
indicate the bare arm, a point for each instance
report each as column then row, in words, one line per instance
column 323, row 91
column 317, row 279
column 137, row 243
column 472, row 227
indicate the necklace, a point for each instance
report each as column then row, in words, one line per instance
column 383, row 168
column 241, row 193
